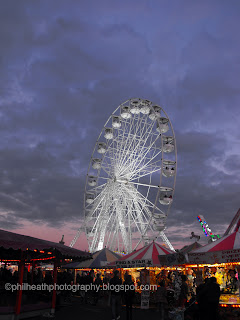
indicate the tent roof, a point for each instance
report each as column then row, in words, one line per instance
column 100, row 259
column 228, row 242
column 195, row 245
column 150, row 251
column 15, row 241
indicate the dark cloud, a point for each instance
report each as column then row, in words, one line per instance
column 65, row 67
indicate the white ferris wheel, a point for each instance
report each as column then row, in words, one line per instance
column 131, row 178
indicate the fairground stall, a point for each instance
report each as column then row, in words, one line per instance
column 25, row 253
column 93, row 271
column 221, row 259
column 146, row 271
column 99, row 261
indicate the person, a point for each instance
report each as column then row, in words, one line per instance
column 89, row 294
column 162, row 298
column 115, row 300
column 125, row 275
column 210, row 295
column 129, row 292
column 212, row 298
column 48, row 278
column 90, row 277
column 105, row 278
column 232, row 283
column 184, row 292
column 200, row 297
column 98, row 280
column 98, row 286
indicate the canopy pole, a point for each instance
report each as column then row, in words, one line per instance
column 75, row 276
column 32, row 273
column 54, row 295
column 20, row 283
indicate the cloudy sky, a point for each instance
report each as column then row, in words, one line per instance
column 66, row 66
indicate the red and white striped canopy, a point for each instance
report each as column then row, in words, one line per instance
column 228, row 242
column 148, row 252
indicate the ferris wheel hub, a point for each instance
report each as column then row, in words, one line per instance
column 122, row 180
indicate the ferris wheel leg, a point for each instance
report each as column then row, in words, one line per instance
column 76, row 237
column 165, row 240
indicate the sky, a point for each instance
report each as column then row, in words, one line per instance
column 67, row 65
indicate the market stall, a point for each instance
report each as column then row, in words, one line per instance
column 221, row 259
column 99, row 261
column 144, row 267
column 27, row 251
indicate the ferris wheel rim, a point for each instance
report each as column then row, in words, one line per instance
column 162, row 159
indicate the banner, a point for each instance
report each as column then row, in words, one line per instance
column 223, row 256
column 134, row 263
column 173, row 259
column 145, row 294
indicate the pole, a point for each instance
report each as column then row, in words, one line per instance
column 54, row 295
column 20, row 282
column 32, row 273
column 75, row 276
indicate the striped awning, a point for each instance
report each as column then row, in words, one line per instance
column 228, row 242
column 99, row 259
column 146, row 256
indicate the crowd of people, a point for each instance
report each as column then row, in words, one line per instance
column 36, row 277
column 203, row 304
column 206, row 294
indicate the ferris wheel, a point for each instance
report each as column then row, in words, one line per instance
column 131, row 178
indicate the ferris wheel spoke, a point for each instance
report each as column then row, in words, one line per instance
column 136, row 139
column 143, row 200
column 138, row 166
column 97, row 228
column 124, row 149
column 140, row 215
column 101, row 177
column 144, row 139
column 145, row 154
column 105, row 169
column 128, row 141
column 96, row 203
column 149, row 188
column 138, row 148
column 142, row 156
column 104, row 223
column 145, row 185
column 112, row 234
column 149, row 167
column 112, row 149
column 123, row 135
column 97, row 187
column 147, row 173
column 150, row 161
column 122, row 228
column 140, row 206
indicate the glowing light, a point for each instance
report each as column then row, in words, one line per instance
column 40, row 259
column 207, row 231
